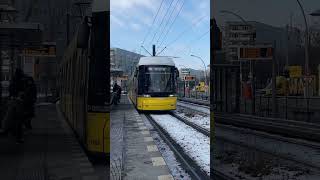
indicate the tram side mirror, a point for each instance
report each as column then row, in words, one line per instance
column 83, row 34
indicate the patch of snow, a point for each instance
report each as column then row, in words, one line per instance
column 194, row 143
column 229, row 157
column 203, row 121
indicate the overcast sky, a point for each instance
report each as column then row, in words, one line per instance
column 273, row 12
column 131, row 20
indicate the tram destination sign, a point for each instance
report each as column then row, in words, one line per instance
column 189, row 78
column 264, row 52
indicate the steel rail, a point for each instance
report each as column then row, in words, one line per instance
column 199, row 102
column 282, row 156
column 275, row 127
column 218, row 175
column 188, row 164
column 193, row 125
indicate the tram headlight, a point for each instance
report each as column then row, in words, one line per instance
column 146, row 95
column 172, row 95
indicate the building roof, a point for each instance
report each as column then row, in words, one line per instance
column 156, row 60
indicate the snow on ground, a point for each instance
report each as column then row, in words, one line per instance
column 195, row 107
column 237, row 160
column 175, row 167
column 276, row 173
column 195, row 144
column 203, row 121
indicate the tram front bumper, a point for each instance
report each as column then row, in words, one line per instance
column 156, row 103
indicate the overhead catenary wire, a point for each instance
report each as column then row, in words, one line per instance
column 168, row 20
column 196, row 39
column 161, row 22
column 171, row 25
column 154, row 19
column 182, row 33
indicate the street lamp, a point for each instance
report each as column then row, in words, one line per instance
column 251, row 39
column 205, row 69
column 306, row 48
column 238, row 16
column 306, row 40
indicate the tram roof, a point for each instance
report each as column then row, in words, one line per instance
column 156, row 60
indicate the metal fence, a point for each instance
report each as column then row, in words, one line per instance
column 195, row 95
column 287, row 107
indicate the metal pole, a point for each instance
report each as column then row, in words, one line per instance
column 251, row 39
column 11, row 56
column 1, row 105
column 253, row 105
column 68, row 27
column 184, row 88
column 274, row 105
column 306, row 49
column 153, row 50
column 205, row 69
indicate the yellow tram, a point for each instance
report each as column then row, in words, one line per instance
column 153, row 84
column 84, row 83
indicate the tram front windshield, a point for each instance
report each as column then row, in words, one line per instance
column 159, row 79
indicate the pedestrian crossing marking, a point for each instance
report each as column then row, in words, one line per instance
column 142, row 128
column 148, row 139
column 145, row 132
column 152, row 148
column 158, row 161
column 165, row 177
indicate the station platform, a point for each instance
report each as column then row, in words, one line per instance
column 134, row 155
column 50, row 151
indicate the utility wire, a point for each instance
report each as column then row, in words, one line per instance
column 171, row 25
column 195, row 40
column 146, row 50
column 161, row 22
column 182, row 33
column 154, row 19
column 175, row 6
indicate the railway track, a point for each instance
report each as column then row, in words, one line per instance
column 287, row 157
column 217, row 175
column 195, row 101
column 188, row 163
column 287, row 128
column 193, row 125
column 199, row 109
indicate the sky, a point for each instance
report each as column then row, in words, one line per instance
column 182, row 26
column 272, row 12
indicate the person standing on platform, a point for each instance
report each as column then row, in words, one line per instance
column 119, row 93
column 29, row 101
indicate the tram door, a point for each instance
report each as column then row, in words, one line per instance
column 226, row 88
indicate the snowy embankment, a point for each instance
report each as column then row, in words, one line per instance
column 195, row 144
column 191, row 113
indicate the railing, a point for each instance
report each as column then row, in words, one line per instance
column 195, row 95
column 288, row 107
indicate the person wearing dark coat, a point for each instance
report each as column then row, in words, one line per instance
column 117, row 90
column 17, row 83
column 15, row 116
column 29, row 100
